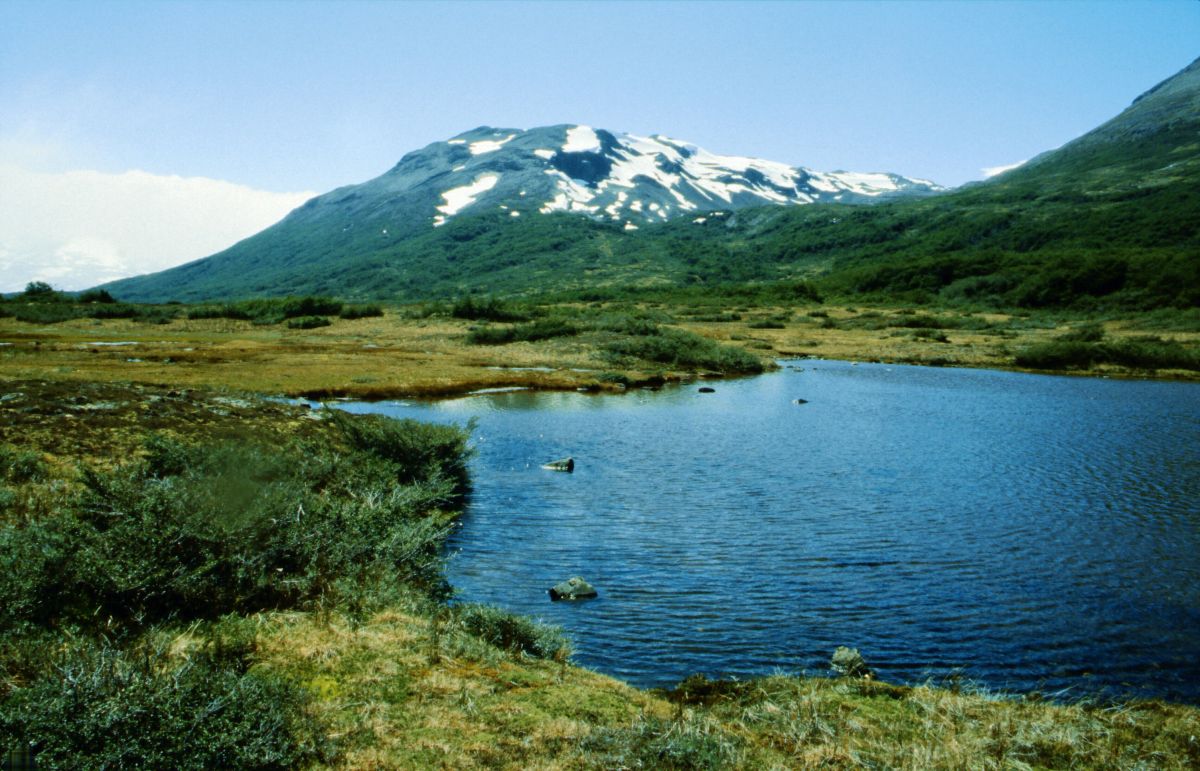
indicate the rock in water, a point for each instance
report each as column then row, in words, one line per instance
column 566, row 464
column 706, row 390
column 848, row 662
column 574, row 588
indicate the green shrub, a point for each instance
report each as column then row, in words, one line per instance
column 100, row 707
column 200, row 531
column 360, row 311
column 678, row 348
column 629, row 324
column 717, row 317
column 1152, row 352
column 44, row 312
column 20, row 466
column 418, row 452
column 269, row 310
column 766, row 324
column 934, row 335
column 512, row 631
column 1147, row 352
column 1085, row 333
column 486, row 309
column 96, row 296
column 227, row 311
column 37, row 585
column 308, row 322
column 113, row 310
column 542, row 329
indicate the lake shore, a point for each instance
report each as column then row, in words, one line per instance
column 401, row 356
column 404, row 685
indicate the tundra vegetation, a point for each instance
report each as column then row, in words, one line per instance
column 600, row 339
column 200, row 578
column 194, row 577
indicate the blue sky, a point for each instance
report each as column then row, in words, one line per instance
column 288, row 98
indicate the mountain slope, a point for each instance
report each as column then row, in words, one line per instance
column 1111, row 219
column 623, row 179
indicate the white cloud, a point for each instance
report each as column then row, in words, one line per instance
column 992, row 171
column 75, row 229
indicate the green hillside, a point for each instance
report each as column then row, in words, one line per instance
column 1109, row 220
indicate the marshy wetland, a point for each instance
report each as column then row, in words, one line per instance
column 343, row 652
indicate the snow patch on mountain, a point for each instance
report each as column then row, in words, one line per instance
column 489, row 145
column 459, row 198
column 630, row 178
column 581, row 139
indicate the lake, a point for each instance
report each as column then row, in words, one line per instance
column 1020, row 532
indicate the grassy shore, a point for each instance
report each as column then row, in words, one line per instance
column 418, row 352
column 309, row 664
column 342, row 652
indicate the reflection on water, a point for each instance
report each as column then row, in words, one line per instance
column 1026, row 532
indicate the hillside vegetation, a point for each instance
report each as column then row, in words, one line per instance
column 1109, row 221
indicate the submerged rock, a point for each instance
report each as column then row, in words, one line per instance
column 706, row 390
column 574, row 588
column 848, row 662
column 566, row 464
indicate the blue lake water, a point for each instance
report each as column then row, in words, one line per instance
column 1022, row 532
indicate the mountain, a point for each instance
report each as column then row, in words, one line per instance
column 623, row 179
column 1110, row 220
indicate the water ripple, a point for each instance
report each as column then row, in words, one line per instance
column 1025, row 532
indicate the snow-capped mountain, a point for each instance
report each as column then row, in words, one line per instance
column 619, row 177
column 440, row 214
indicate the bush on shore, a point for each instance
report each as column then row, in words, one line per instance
column 686, row 350
column 1144, row 352
column 192, row 533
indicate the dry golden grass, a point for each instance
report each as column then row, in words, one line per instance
column 875, row 334
column 400, row 696
column 396, row 356
column 366, row 357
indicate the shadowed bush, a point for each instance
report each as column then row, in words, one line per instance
column 268, row 311
column 486, row 309
column 542, row 329
column 1147, row 352
column 513, row 632
column 416, row 451
column 360, row 311
column 677, row 348
column 19, row 466
column 100, row 707
column 199, row 531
